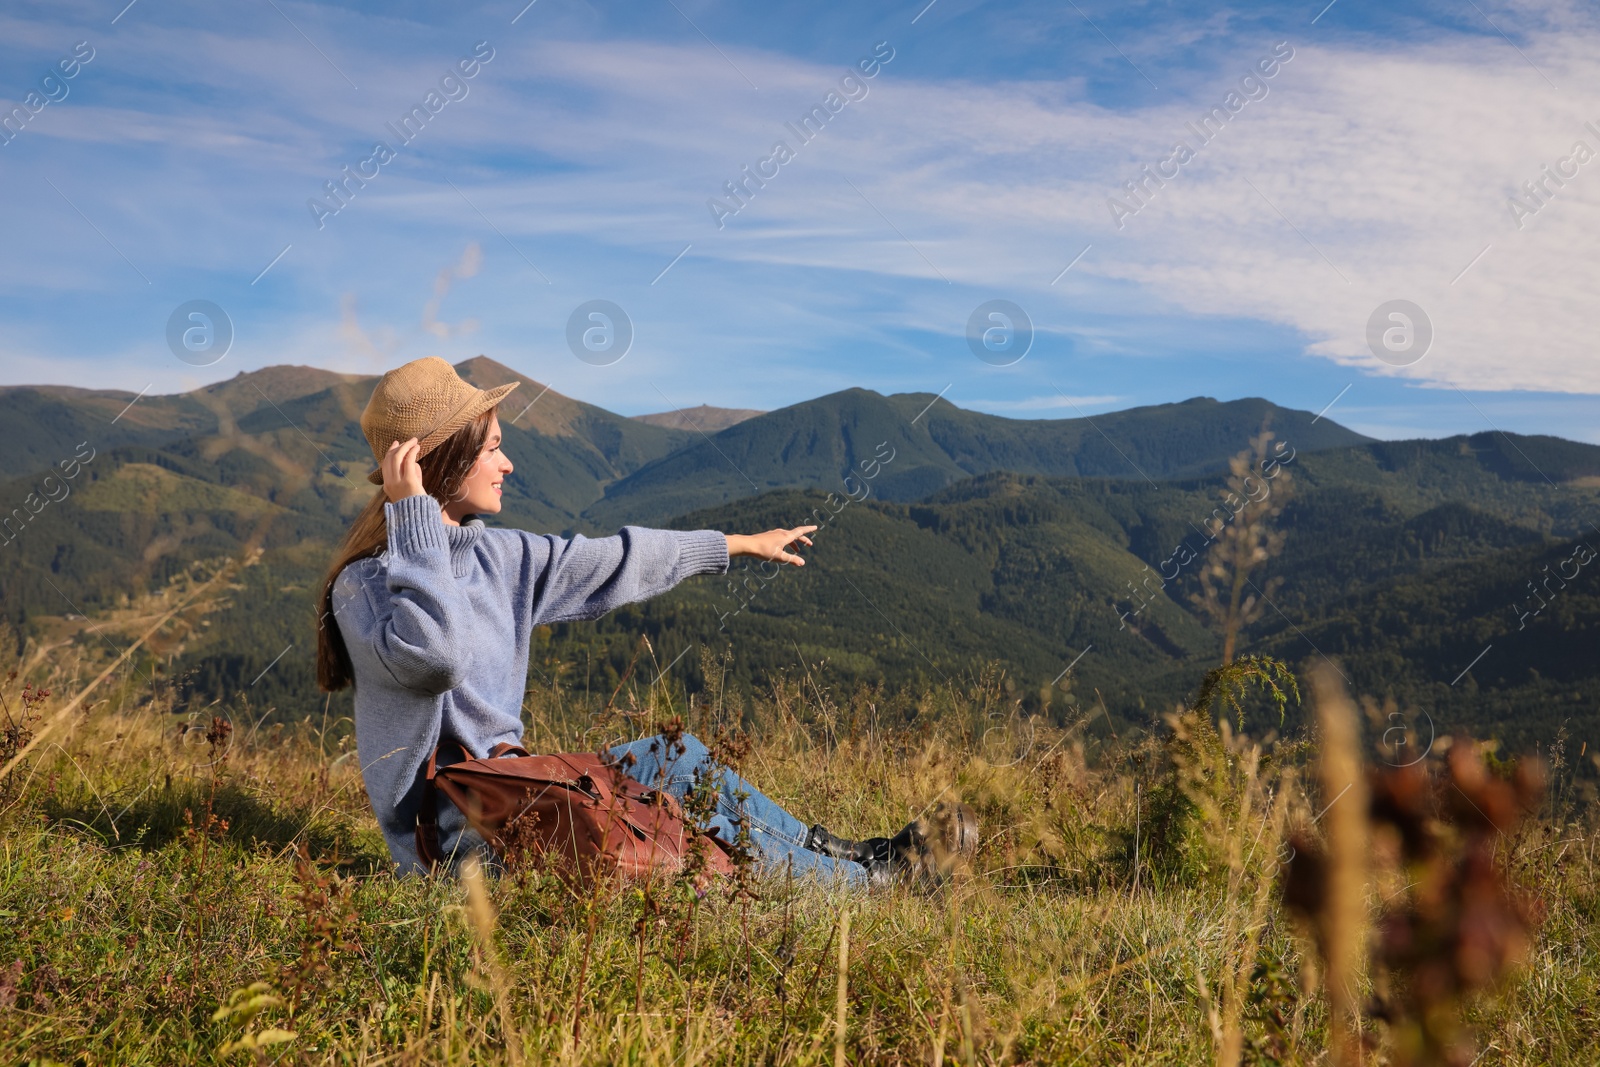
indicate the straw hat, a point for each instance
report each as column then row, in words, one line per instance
column 425, row 399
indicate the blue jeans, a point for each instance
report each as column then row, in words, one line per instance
column 778, row 839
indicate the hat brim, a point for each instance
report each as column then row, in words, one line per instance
column 477, row 404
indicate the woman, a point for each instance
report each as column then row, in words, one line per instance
column 432, row 613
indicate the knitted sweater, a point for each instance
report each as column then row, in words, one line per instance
column 438, row 629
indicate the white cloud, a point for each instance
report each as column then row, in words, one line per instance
column 1397, row 169
column 1377, row 174
column 1054, row 402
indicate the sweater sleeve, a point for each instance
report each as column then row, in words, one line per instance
column 586, row 577
column 417, row 636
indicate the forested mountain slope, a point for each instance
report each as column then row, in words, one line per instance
column 962, row 540
column 816, row 443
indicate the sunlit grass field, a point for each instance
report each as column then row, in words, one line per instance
column 180, row 891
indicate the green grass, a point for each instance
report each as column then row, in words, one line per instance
column 142, row 884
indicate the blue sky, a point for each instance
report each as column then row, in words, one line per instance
column 1377, row 162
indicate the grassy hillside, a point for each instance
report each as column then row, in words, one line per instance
column 46, row 423
column 161, row 869
column 280, row 427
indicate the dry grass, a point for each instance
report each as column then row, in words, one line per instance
column 151, row 876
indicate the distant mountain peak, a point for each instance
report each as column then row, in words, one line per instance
column 534, row 406
column 483, row 366
column 704, row 418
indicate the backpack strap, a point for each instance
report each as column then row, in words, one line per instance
column 590, row 774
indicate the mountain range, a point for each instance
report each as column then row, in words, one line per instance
column 953, row 540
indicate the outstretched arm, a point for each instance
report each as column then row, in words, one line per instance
column 586, row 577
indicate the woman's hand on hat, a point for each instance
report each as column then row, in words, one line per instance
column 773, row 545
column 402, row 476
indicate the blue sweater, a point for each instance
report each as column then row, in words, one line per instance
column 438, row 629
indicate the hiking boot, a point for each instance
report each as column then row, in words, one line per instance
column 925, row 850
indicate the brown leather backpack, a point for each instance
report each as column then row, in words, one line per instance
column 574, row 812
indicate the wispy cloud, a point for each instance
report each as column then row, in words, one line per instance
column 1057, row 402
column 471, row 261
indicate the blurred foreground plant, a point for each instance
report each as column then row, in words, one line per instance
column 1427, row 836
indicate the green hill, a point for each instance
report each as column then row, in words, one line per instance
column 1034, row 573
column 816, row 443
column 280, row 428
column 983, row 541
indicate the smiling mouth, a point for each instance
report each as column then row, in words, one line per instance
column 496, row 486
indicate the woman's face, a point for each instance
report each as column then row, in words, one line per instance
column 480, row 490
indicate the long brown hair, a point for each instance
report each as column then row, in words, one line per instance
column 443, row 471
